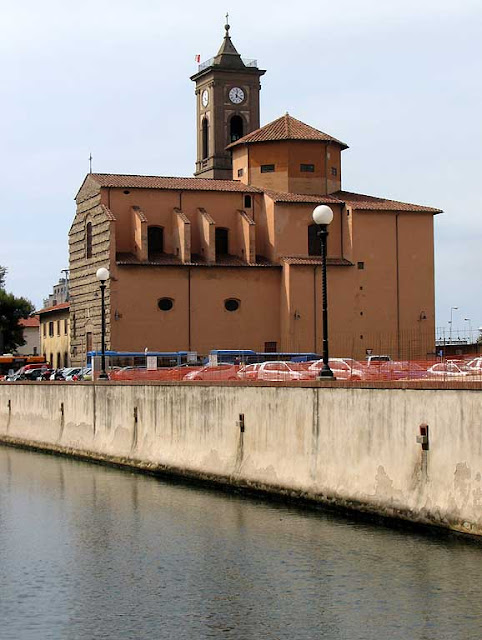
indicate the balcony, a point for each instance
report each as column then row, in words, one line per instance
column 248, row 62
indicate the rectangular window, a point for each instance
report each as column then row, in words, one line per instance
column 45, row 329
column 51, row 329
column 334, row 171
column 66, row 326
column 58, row 327
column 88, row 341
column 270, row 347
column 240, row 173
column 360, row 265
column 247, row 202
column 267, row 168
column 309, row 168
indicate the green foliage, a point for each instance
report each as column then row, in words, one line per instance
column 11, row 310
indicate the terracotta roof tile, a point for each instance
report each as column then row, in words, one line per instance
column 33, row 321
column 168, row 260
column 160, row 182
column 57, row 307
column 108, row 213
column 309, row 260
column 300, row 198
column 371, row 203
column 354, row 200
column 286, row 128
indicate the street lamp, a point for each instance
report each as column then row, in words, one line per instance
column 322, row 216
column 102, row 275
column 452, row 309
column 470, row 329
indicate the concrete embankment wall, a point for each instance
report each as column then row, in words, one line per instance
column 350, row 446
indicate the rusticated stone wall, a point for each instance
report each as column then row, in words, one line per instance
column 85, row 302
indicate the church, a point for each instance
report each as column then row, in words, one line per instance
column 230, row 259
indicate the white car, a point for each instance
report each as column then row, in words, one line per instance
column 450, row 369
column 343, row 368
column 475, row 365
column 282, row 372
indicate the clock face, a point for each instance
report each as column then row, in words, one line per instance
column 236, row 95
column 205, row 98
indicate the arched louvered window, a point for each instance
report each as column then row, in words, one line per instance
column 236, row 128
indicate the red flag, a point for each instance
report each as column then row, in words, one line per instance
column 197, row 58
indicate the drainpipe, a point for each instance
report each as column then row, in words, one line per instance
column 398, row 285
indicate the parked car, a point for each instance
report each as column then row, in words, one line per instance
column 70, row 372
column 475, row 365
column 401, row 370
column 178, row 372
column 57, row 374
column 279, row 371
column 249, row 371
column 219, row 372
column 451, row 369
column 343, row 369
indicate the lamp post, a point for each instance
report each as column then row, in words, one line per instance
column 322, row 216
column 470, row 329
column 452, row 309
column 102, row 275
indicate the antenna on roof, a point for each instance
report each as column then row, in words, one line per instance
column 90, row 163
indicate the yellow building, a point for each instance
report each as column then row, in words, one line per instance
column 55, row 334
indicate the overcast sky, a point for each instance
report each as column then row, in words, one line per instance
column 400, row 82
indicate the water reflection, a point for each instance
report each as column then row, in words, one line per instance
column 91, row 552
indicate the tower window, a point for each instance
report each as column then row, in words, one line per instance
column 267, row 168
column 235, row 128
column 222, row 242
column 247, row 202
column 155, row 240
column 240, row 173
column 308, row 168
column 334, row 171
column 88, row 240
column 314, row 243
column 205, row 136
column 360, row 265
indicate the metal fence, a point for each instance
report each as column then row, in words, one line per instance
column 374, row 368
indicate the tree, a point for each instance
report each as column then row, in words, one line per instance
column 11, row 310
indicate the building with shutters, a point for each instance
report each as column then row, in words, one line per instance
column 230, row 259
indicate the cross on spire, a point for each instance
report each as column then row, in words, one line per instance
column 90, row 163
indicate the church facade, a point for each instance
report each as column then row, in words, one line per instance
column 229, row 259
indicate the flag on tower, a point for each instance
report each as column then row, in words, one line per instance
column 197, row 58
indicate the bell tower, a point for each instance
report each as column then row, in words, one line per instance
column 227, row 107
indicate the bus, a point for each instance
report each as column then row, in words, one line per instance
column 121, row 359
column 248, row 356
column 10, row 363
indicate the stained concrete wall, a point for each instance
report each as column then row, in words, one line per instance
column 351, row 446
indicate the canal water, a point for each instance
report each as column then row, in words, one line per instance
column 91, row 552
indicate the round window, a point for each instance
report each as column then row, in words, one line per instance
column 165, row 304
column 231, row 304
